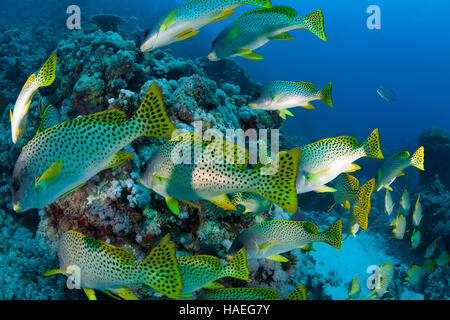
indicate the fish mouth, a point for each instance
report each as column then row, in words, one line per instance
column 17, row 207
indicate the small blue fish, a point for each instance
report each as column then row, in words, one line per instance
column 387, row 94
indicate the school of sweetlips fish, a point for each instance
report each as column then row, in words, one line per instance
column 62, row 157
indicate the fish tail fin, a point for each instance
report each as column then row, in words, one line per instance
column 151, row 118
column 325, row 94
column 298, row 293
column 161, row 271
column 333, row 235
column 314, row 22
column 363, row 207
column 237, row 267
column 372, row 145
column 261, row 3
column 47, row 74
column 277, row 181
column 417, row 159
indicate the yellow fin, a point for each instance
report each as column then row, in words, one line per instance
column 173, row 205
column 223, row 15
column 278, row 257
column 268, row 245
column 10, row 115
column 213, row 286
column 186, row 34
column 119, row 158
column 324, row 189
column 110, row 294
column 125, row 293
column 90, row 293
column 308, row 106
column 49, row 175
column 315, row 175
column 223, row 201
column 282, row 36
column 346, row 205
column 170, row 19
column 234, row 32
column 70, row 191
column 284, row 112
column 353, row 167
column 307, row 247
column 47, row 74
column 52, row 272
column 249, row 54
column 189, row 203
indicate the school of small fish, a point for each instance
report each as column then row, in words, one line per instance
column 62, row 157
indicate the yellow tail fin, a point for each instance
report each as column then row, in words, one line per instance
column 372, row 146
column 237, row 267
column 362, row 209
column 333, row 235
column 277, row 181
column 151, row 118
column 47, row 74
column 161, row 269
column 325, row 94
column 298, row 293
column 314, row 23
column 417, row 159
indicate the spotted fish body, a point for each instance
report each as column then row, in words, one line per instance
column 405, row 202
column 240, row 294
column 201, row 271
column 415, row 274
column 326, row 159
column 98, row 265
column 400, row 226
column 354, row 289
column 280, row 95
column 257, row 27
column 67, row 155
column 418, row 214
column 212, row 178
column 19, row 116
column 270, row 238
column 184, row 21
column 388, row 203
column 393, row 167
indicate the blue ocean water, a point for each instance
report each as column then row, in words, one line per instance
column 409, row 54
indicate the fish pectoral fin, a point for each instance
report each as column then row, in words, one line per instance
column 308, row 106
column 70, row 191
column 315, row 175
column 224, row 14
column 186, row 295
column 278, row 257
column 324, row 189
column 119, row 158
column 389, row 188
column 173, row 205
column 332, row 206
column 268, row 245
column 110, row 294
column 401, row 174
column 125, row 293
column 249, row 54
column 52, row 272
column 49, row 175
column 307, row 247
column 186, row 34
column 234, row 33
column 90, row 293
column 170, row 20
column 278, row 96
column 10, row 115
column 353, row 167
column 284, row 112
column 223, row 202
column 213, row 286
column 282, row 36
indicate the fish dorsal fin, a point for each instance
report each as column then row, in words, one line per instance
column 402, row 155
column 123, row 256
column 285, row 10
column 114, row 116
column 49, row 175
column 307, row 85
column 210, row 261
column 268, row 244
column 309, row 226
column 50, row 118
